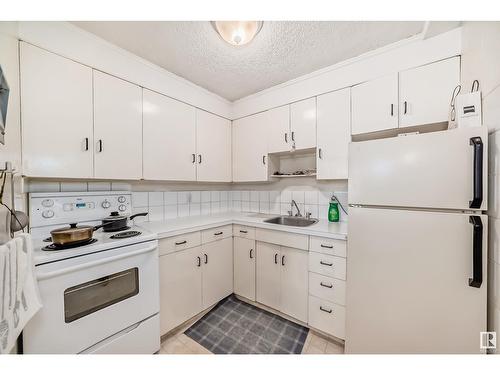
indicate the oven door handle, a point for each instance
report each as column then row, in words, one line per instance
column 48, row 275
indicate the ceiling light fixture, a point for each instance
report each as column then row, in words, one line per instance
column 237, row 33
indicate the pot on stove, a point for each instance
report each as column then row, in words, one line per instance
column 116, row 222
column 73, row 234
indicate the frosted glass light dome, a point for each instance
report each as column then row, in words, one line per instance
column 237, row 33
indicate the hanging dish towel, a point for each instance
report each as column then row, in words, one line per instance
column 19, row 296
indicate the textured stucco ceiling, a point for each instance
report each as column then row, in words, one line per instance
column 282, row 51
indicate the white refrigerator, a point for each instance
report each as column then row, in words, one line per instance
column 416, row 264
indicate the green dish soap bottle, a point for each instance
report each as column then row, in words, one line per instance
column 333, row 211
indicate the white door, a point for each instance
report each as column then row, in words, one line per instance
column 433, row 170
column 244, row 267
column 278, row 129
column 213, row 143
column 250, row 161
column 408, row 284
column 56, row 106
column 169, row 138
column 180, row 287
column 333, row 134
column 117, row 128
column 268, row 274
column 217, row 264
column 303, row 123
column 294, row 283
column 425, row 92
column 375, row 105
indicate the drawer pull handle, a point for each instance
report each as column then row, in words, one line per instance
column 206, row 258
column 218, row 233
column 181, row 243
column 283, row 260
column 329, row 311
column 275, row 258
column 199, row 261
column 243, row 231
column 327, row 246
column 326, row 285
column 325, row 264
column 251, row 255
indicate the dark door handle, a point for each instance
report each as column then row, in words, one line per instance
column 282, row 260
column 206, row 258
column 199, row 159
column 392, row 110
column 477, row 199
column 251, row 255
column 86, row 144
column 293, row 136
column 406, row 107
column 320, row 154
column 194, row 158
column 276, row 258
column 329, row 286
column 329, row 311
column 218, row 233
column 100, row 145
column 199, row 261
column 264, row 159
column 181, row 243
column 477, row 252
column 286, row 138
column 325, row 264
column 327, row 246
column 243, row 231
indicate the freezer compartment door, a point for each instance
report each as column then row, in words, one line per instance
column 446, row 169
column 416, row 281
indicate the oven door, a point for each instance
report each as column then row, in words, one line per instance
column 90, row 298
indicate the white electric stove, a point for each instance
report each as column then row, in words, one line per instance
column 101, row 297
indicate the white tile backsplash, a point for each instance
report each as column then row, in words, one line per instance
column 286, row 196
column 245, row 196
column 254, row 196
column 155, row 213
column 254, row 206
column 236, row 195
column 298, row 196
column 170, row 197
column 245, row 206
column 99, row 186
column 73, row 186
column 224, row 196
column 155, row 198
column 183, row 197
column 311, row 197
column 183, row 210
column 205, row 196
column 205, row 208
column 196, row 197
column 194, row 209
column 263, row 196
column 139, row 199
column 215, row 207
column 215, row 196
column 170, row 211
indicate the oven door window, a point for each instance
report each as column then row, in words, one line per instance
column 87, row 298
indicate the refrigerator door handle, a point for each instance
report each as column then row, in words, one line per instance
column 477, row 252
column 477, row 200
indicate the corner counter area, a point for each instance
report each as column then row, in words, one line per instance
column 297, row 273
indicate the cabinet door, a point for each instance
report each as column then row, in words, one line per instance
column 294, row 283
column 217, row 259
column 268, row 274
column 117, row 128
column 180, row 287
column 213, row 143
column 303, row 123
column 278, row 129
column 56, row 98
column 334, row 134
column 244, row 267
column 374, row 105
column 169, row 138
column 250, row 161
column 425, row 92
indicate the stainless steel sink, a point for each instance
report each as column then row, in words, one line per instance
column 292, row 221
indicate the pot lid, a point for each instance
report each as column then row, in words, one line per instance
column 115, row 216
column 71, row 229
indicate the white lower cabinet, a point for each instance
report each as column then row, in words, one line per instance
column 217, row 274
column 282, row 279
column 180, row 287
column 244, row 267
column 327, row 316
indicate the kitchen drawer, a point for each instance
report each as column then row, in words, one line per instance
column 327, row 288
column 328, row 246
column 244, row 231
column 327, row 265
column 218, row 233
column 180, row 242
column 297, row 241
column 327, row 316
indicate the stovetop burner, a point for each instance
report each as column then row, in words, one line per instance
column 54, row 247
column 128, row 234
column 116, row 230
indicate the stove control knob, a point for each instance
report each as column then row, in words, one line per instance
column 106, row 204
column 47, row 203
column 47, row 214
column 122, row 207
column 122, row 199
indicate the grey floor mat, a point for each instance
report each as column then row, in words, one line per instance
column 236, row 327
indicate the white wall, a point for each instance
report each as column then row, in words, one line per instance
column 481, row 61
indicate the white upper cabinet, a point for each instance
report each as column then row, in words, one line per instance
column 334, row 134
column 303, row 123
column 56, row 105
column 425, row 92
column 278, row 129
column 117, row 128
column 213, row 145
column 375, row 105
column 169, row 133
column 250, row 161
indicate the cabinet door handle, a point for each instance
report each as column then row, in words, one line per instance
column 320, row 154
column 194, row 158
column 329, row 286
column 86, row 144
column 206, row 258
column 282, row 260
column 181, row 243
column 264, row 159
column 243, row 231
column 286, row 137
column 251, row 255
column 276, row 258
column 392, row 109
column 199, row 261
column 405, row 111
column 199, row 159
column 325, row 264
column 218, row 233
column 477, row 252
column 329, row 311
column 100, row 145
column 327, row 246
column 293, row 136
